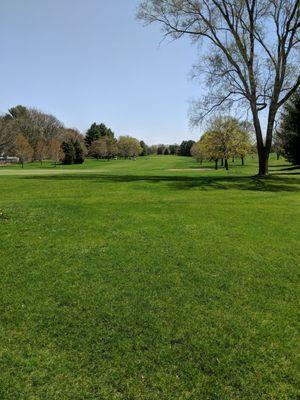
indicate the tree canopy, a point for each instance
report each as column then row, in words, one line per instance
column 129, row 146
column 252, row 57
column 225, row 138
column 96, row 131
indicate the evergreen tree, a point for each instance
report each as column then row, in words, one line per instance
column 144, row 147
column 69, row 152
column 96, row 131
column 185, row 148
column 173, row 148
column 78, row 152
column 289, row 132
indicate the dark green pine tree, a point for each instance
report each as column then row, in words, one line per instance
column 185, row 148
column 78, row 152
column 289, row 132
column 96, row 131
column 69, row 152
column 92, row 134
column 144, row 147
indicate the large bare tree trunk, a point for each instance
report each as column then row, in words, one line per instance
column 263, row 150
column 263, row 160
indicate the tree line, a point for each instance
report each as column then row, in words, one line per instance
column 32, row 135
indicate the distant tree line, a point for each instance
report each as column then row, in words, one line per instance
column 31, row 135
column 183, row 149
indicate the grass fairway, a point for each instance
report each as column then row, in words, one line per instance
column 133, row 281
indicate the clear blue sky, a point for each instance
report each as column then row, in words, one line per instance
column 91, row 60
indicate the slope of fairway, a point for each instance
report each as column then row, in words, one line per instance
column 131, row 281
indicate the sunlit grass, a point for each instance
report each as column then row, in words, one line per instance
column 137, row 282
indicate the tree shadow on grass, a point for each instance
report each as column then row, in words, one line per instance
column 272, row 183
column 290, row 170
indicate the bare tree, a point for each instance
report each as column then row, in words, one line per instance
column 55, row 152
column 7, row 136
column 253, row 57
column 23, row 149
column 41, row 151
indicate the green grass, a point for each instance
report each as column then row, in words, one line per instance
column 136, row 282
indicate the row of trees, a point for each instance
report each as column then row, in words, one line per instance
column 33, row 135
column 30, row 134
column 100, row 142
column 108, row 147
column 183, row 149
column 225, row 139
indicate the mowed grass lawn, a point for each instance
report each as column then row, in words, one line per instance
column 131, row 281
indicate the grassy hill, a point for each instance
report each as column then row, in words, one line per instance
column 135, row 280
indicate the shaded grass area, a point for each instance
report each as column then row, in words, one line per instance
column 143, row 284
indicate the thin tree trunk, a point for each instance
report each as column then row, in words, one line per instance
column 226, row 164
column 278, row 156
column 216, row 164
column 222, row 162
column 242, row 158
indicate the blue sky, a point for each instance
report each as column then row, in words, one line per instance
column 91, row 60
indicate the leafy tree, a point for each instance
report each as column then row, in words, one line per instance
column 96, row 131
column 69, row 152
column 98, row 149
column 278, row 145
column 167, row 152
column 112, row 147
column 129, row 146
column 243, row 139
column 73, row 151
column 161, row 149
column 225, row 138
column 78, row 152
column 105, row 147
column 152, row 149
column 289, row 132
column 197, row 151
column 23, row 149
column 173, row 149
column 185, row 148
column 144, row 148
column 253, row 50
